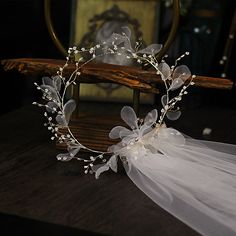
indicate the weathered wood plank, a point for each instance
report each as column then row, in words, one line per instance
column 97, row 72
column 91, row 73
column 87, row 129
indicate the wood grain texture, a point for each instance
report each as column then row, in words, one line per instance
column 33, row 184
column 36, row 186
column 97, row 127
column 95, row 73
column 91, row 73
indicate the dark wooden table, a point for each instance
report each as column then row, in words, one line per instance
column 39, row 195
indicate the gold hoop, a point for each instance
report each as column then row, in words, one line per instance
column 61, row 48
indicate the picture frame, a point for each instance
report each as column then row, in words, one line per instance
column 93, row 21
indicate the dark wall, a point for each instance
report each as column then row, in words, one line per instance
column 203, row 31
column 24, row 34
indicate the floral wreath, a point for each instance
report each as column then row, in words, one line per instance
column 140, row 136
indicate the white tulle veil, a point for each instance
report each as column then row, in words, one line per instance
column 193, row 180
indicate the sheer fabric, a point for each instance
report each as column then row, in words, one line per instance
column 193, row 180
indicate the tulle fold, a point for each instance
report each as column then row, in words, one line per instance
column 193, row 180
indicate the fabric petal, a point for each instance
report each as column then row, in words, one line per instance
column 151, row 49
column 129, row 117
column 125, row 133
column 182, row 72
column 61, row 120
column 64, row 157
column 47, row 81
column 165, row 70
column 57, row 82
column 119, row 132
column 144, row 130
column 115, row 148
column 50, row 106
column 116, row 38
column 180, row 75
column 50, row 92
column 173, row 115
column 164, row 100
column 129, row 138
column 112, row 163
column 151, row 118
column 127, row 31
column 101, row 170
column 73, row 150
column 68, row 108
column 176, row 83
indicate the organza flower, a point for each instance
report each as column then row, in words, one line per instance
column 138, row 128
column 128, row 136
column 177, row 76
column 125, row 39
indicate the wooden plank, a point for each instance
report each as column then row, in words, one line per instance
column 91, row 73
column 93, row 131
column 98, row 72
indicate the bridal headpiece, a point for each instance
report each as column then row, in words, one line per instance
column 194, row 180
column 59, row 109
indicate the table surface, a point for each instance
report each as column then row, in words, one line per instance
column 34, row 186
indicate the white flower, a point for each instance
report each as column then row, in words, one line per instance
column 177, row 75
column 137, row 130
column 111, row 164
column 125, row 39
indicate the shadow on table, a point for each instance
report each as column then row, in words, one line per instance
column 15, row 225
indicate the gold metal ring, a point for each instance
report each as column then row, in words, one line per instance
column 173, row 30
column 57, row 42
column 48, row 19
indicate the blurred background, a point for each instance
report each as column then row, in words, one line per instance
column 204, row 30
